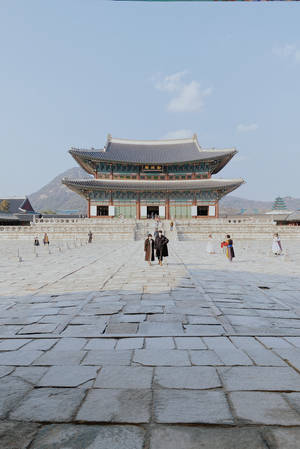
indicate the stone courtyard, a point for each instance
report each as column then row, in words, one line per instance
column 100, row 351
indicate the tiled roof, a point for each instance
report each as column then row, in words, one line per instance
column 152, row 152
column 17, row 206
column 138, row 185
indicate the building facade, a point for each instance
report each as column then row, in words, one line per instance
column 140, row 179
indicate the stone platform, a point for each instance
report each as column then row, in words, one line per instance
column 100, row 351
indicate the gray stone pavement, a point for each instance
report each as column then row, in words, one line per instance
column 99, row 350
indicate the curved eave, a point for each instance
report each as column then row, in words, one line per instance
column 223, row 158
column 86, row 166
column 83, row 187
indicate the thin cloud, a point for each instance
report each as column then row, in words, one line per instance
column 188, row 96
column 243, row 128
column 287, row 51
column 179, row 134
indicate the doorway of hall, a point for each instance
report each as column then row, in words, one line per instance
column 152, row 211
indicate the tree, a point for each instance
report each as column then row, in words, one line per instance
column 4, row 206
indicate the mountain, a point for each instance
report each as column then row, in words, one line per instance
column 55, row 196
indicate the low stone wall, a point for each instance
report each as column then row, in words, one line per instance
column 238, row 227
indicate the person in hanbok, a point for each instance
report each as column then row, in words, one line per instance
column 36, row 241
column 276, row 245
column 46, row 239
column 161, row 246
column 90, row 237
column 210, row 248
column 229, row 248
column 149, row 249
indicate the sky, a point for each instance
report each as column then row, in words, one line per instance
column 72, row 71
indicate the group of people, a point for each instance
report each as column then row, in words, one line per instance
column 227, row 246
column 158, row 245
column 36, row 241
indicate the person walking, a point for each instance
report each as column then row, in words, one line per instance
column 229, row 248
column 171, row 226
column 161, row 246
column 90, row 235
column 46, row 239
column 276, row 245
column 210, row 249
column 36, row 241
column 149, row 249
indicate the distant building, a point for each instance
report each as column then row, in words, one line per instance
column 142, row 179
column 16, row 211
column 279, row 204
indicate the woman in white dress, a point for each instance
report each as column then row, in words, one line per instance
column 276, row 245
column 210, row 248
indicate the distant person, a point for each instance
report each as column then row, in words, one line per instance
column 229, row 248
column 171, row 226
column 276, row 245
column 36, row 241
column 161, row 247
column 90, row 235
column 149, row 249
column 210, row 248
column 46, row 239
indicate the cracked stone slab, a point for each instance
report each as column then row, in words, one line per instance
column 5, row 370
column 31, row 374
column 17, row 435
column 107, row 358
column 124, row 377
column 63, row 358
column 260, row 378
column 189, row 343
column 122, row 328
column 89, row 437
column 59, row 376
column 12, row 390
column 280, row 438
column 181, row 406
column 187, row 377
column 130, row 343
column 160, row 329
column 128, row 406
column 161, row 357
column 256, row 407
column 13, row 344
column 19, row 357
column 49, row 405
column 176, row 437
column 84, row 330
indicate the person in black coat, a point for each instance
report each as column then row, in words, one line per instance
column 161, row 247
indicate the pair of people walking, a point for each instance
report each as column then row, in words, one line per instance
column 160, row 244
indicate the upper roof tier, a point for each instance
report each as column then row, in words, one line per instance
column 152, row 152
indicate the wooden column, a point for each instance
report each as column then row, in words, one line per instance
column 217, row 209
column 138, row 207
column 89, row 208
column 194, row 202
column 167, row 207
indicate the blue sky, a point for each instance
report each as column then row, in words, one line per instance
column 73, row 71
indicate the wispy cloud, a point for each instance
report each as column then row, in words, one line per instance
column 245, row 128
column 287, row 51
column 179, row 134
column 187, row 96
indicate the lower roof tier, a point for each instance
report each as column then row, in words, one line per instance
column 82, row 186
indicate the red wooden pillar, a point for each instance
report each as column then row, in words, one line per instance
column 194, row 202
column 138, row 207
column 168, row 207
column 217, row 209
column 89, row 208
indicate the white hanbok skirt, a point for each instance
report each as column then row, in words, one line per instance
column 210, row 247
column 276, row 249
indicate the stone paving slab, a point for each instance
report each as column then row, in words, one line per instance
column 127, row 406
column 181, row 406
column 97, row 336
column 89, row 437
column 180, row 437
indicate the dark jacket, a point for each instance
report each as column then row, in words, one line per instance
column 161, row 247
column 147, row 250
